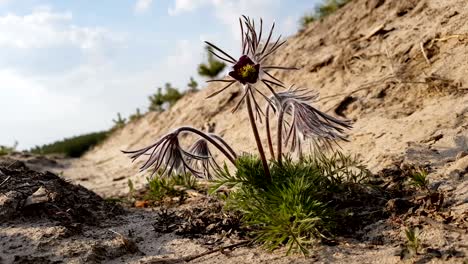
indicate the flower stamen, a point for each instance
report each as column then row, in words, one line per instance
column 247, row 71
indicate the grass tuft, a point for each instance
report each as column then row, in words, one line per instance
column 159, row 187
column 301, row 204
column 419, row 179
column 413, row 244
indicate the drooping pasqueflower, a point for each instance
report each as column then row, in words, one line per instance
column 305, row 122
column 200, row 148
column 168, row 156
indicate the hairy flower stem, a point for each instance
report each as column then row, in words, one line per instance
column 209, row 139
column 279, row 138
column 268, row 133
column 257, row 137
column 220, row 139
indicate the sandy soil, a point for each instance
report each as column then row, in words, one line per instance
column 396, row 68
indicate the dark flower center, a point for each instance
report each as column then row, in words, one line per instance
column 245, row 70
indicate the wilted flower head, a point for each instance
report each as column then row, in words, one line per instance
column 250, row 68
column 167, row 155
column 200, row 148
column 306, row 122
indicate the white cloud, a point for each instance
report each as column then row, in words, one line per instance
column 40, row 105
column 289, row 25
column 44, row 28
column 142, row 6
column 182, row 6
column 184, row 55
column 39, row 101
column 27, row 106
column 41, row 109
column 229, row 11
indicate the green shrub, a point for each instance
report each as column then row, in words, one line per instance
column 307, row 19
column 72, row 147
column 5, row 150
column 119, row 122
column 212, row 67
column 326, row 8
column 192, row 85
column 170, row 96
column 299, row 205
column 329, row 7
column 137, row 115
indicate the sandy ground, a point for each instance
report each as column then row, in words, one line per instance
column 397, row 69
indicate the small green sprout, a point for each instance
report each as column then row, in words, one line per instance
column 419, row 179
column 413, row 243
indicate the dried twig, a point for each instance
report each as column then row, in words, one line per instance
column 11, row 164
column 457, row 36
column 195, row 256
column 421, row 45
column 3, row 182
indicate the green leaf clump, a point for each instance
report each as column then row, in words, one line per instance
column 295, row 209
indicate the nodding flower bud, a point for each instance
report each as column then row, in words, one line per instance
column 306, row 122
column 166, row 155
column 206, row 166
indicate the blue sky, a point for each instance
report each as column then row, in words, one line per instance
column 67, row 67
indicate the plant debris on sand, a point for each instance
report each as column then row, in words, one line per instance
column 28, row 193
